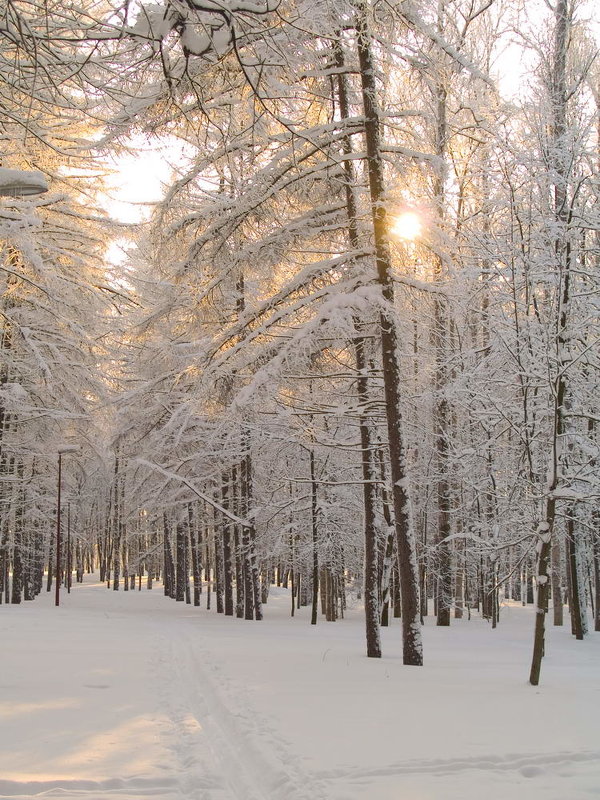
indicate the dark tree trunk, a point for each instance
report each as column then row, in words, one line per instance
column 237, row 545
column 386, row 580
column 562, row 254
column 411, row 630
column 181, row 576
column 253, row 605
column 196, row 546
column 557, row 587
column 545, row 547
column 168, row 563
column 574, row 582
column 218, row 569
column 116, row 529
column 443, row 551
column 315, row 540
column 371, row 588
column 227, row 550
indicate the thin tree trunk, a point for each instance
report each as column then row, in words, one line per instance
column 315, row 539
column 168, row 563
column 195, row 550
column 181, row 565
column 218, row 566
column 443, row 553
column 227, row 551
column 116, row 529
column 252, row 584
column 574, row 581
column 237, row 544
column 557, row 588
column 596, row 581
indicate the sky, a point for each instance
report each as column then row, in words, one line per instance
column 137, row 182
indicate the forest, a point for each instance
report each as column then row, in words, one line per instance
column 352, row 353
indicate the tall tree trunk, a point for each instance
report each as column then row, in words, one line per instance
column 168, row 563
column 252, row 593
column 18, row 576
column 557, row 587
column 116, row 528
column 371, row 589
column 253, row 603
column 237, row 540
column 596, row 558
column 409, row 580
column 218, row 566
column 443, row 547
column 562, row 251
column 226, row 488
column 315, row 539
column 386, row 579
column 196, row 546
column 575, row 604
column 544, row 552
column 180, row 575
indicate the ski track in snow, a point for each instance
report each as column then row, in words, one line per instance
column 242, row 747
column 528, row 766
column 554, row 776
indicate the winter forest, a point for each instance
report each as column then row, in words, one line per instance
column 348, row 365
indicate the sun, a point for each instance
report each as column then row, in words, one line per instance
column 407, row 226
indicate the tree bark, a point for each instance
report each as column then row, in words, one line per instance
column 557, row 587
column 443, row 548
column 562, row 254
column 195, row 550
column 409, row 581
column 574, row 579
column 315, row 539
column 371, row 589
column 180, row 575
column 227, row 549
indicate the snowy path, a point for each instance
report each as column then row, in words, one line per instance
column 208, row 721
column 129, row 696
column 117, row 696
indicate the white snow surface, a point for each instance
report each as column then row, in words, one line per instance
column 130, row 695
column 22, row 182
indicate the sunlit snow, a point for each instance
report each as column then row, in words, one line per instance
column 131, row 695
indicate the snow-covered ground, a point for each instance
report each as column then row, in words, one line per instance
column 130, row 695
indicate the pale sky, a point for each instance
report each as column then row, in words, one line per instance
column 137, row 183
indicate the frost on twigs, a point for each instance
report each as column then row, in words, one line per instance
column 12, row 392
column 205, row 28
column 153, row 22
